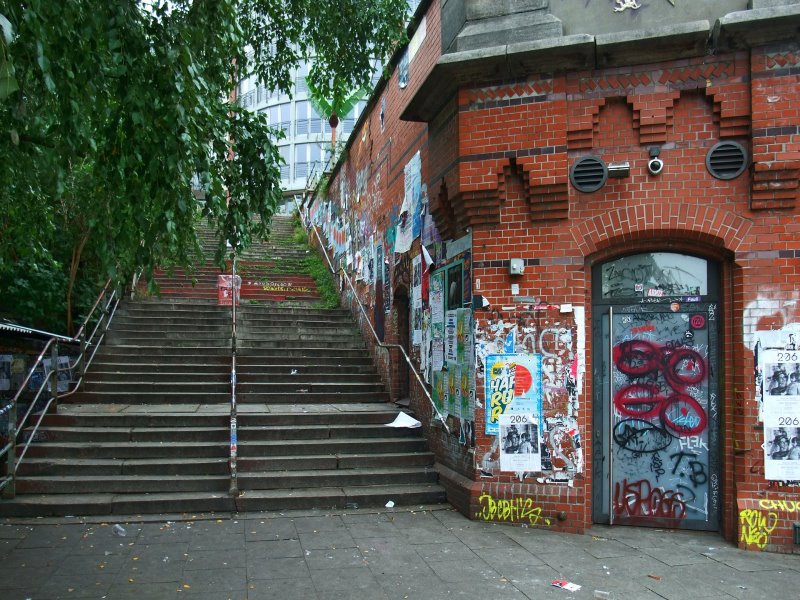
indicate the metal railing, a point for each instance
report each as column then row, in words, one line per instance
column 234, row 486
column 105, row 300
column 378, row 341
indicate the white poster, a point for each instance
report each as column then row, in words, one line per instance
column 519, row 443
column 780, row 370
column 450, row 336
column 64, row 375
column 436, row 302
column 416, row 300
column 437, row 358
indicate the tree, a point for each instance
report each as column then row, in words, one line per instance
column 109, row 111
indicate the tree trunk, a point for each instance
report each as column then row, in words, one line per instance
column 77, row 251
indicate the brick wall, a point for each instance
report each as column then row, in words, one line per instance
column 496, row 161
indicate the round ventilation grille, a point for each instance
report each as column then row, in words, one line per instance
column 588, row 174
column 726, row 160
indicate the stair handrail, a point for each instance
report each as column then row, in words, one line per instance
column 378, row 342
column 7, row 484
column 234, row 448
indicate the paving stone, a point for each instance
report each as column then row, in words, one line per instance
column 445, row 551
column 344, row 579
column 321, row 523
column 334, row 559
column 276, row 549
column 276, row 568
column 216, row 580
column 336, row 539
column 214, row 559
column 506, row 559
column 269, row 529
column 281, row 589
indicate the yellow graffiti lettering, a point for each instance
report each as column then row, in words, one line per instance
column 789, row 506
column 756, row 527
column 513, row 510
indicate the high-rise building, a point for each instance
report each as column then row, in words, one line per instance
column 307, row 145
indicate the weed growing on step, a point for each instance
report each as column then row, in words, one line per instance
column 314, row 266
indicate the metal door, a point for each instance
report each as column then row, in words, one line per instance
column 657, row 406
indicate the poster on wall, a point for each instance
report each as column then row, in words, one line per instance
column 437, row 355
column 467, row 393
column 513, row 385
column 780, row 370
column 450, row 339
column 519, row 442
column 453, row 391
column 438, row 391
column 416, row 300
column 464, row 336
column 437, row 305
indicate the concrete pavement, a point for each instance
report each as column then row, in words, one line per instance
column 427, row 552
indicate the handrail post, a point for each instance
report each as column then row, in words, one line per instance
column 10, row 491
column 54, row 376
column 234, row 447
column 82, row 373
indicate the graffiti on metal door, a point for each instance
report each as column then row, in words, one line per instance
column 661, row 369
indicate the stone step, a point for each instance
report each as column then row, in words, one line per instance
column 337, row 461
column 246, row 377
column 138, row 450
column 125, row 467
column 212, row 373
column 168, row 354
column 44, row 505
column 333, row 447
column 123, row 434
column 346, row 497
column 306, row 341
column 271, row 480
column 294, row 385
column 217, row 398
column 169, row 416
column 122, row 484
column 40, row 505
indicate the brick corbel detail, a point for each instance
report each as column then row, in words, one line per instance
column 731, row 108
column 775, row 185
column 652, row 115
column 441, row 206
column 584, row 119
column 546, row 186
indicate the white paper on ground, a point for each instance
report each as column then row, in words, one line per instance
column 404, row 420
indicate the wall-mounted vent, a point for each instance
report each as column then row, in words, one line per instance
column 726, row 160
column 588, row 174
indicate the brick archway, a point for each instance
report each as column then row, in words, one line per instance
column 707, row 225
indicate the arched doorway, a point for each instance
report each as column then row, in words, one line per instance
column 656, row 399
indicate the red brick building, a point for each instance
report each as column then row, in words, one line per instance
column 607, row 306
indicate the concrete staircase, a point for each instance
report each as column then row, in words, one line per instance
column 149, row 430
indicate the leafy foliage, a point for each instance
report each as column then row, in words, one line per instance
column 110, row 110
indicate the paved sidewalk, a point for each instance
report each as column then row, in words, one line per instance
column 425, row 553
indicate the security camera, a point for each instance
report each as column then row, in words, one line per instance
column 655, row 166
